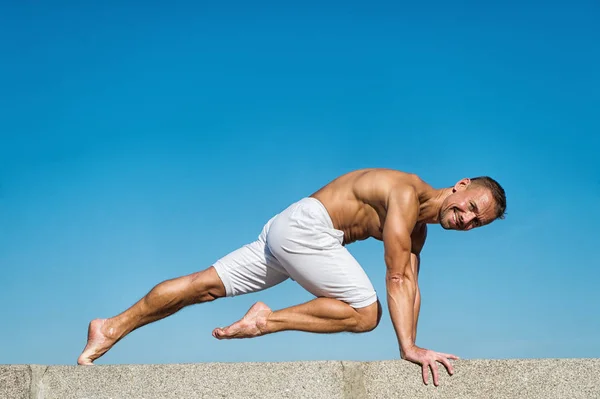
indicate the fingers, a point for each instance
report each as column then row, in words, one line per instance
column 443, row 358
column 430, row 360
column 434, row 371
column 449, row 356
column 447, row 364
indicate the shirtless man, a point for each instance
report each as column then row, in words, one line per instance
column 306, row 242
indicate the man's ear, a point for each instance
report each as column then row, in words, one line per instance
column 462, row 184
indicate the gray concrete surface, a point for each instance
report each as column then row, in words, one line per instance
column 490, row 379
column 528, row 379
column 15, row 382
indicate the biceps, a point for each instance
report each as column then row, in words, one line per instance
column 398, row 259
column 397, row 231
column 399, row 224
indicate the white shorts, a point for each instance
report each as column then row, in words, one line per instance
column 299, row 243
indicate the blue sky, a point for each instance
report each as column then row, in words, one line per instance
column 141, row 143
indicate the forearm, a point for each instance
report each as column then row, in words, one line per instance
column 416, row 310
column 415, row 266
column 401, row 294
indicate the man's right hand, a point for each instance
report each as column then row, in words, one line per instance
column 428, row 358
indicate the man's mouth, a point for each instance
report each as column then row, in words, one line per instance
column 454, row 219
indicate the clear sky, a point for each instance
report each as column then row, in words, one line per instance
column 142, row 142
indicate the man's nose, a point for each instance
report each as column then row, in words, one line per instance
column 468, row 217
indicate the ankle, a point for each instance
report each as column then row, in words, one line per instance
column 264, row 322
column 113, row 329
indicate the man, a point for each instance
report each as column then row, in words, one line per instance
column 307, row 242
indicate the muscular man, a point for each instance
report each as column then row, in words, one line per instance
column 307, row 242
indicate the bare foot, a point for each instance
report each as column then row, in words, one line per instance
column 253, row 324
column 99, row 342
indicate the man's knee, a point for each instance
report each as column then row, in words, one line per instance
column 206, row 285
column 369, row 317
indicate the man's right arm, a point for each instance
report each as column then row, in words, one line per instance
column 401, row 281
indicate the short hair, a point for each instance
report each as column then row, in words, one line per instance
column 497, row 193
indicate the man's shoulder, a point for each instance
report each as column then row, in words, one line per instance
column 387, row 186
column 404, row 190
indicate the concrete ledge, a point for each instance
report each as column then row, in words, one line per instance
column 524, row 379
column 15, row 382
column 545, row 378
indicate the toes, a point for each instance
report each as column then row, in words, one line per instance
column 85, row 361
column 219, row 333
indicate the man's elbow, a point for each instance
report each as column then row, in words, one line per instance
column 399, row 278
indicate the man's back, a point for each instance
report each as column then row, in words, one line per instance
column 357, row 201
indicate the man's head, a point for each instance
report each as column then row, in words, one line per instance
column 473, row 203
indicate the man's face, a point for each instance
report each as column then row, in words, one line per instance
column 468, row 206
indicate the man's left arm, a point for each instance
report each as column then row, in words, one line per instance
column 414, row 262
column 418, row 241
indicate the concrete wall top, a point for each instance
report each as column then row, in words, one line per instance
column 531, row 378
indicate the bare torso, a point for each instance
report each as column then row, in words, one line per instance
column 357, row 201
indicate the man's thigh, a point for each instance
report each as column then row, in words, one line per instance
column 332, row 273
column 250, row 268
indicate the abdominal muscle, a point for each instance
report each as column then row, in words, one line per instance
column 356, row 202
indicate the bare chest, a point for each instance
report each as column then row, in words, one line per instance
column 376, row 225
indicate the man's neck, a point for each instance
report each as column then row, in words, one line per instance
column 431, row 203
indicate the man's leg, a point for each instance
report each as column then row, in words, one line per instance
column 163, row 300
column 309, row 249
column 321, row 315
